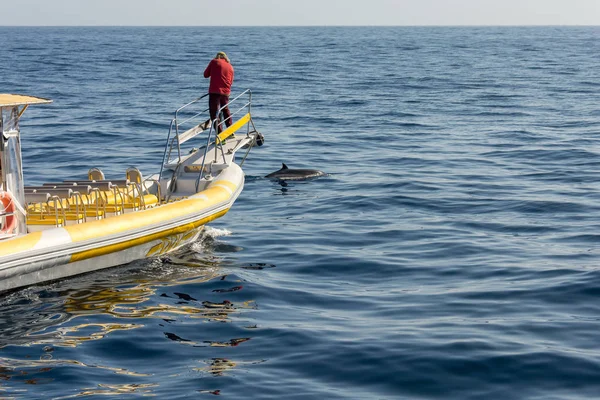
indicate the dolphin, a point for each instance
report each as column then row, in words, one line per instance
column 288, row 174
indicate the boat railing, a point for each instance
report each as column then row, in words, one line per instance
column 182, row 129
column 177, row 132
column 220, row 138
column 228, row 123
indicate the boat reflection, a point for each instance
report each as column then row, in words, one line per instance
column 219, row 366
column 48, row 314
column 116, row 390
column 144, row 296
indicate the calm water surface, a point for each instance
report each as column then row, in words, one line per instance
column 452, row 253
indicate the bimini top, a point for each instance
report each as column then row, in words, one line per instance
column 8, row 100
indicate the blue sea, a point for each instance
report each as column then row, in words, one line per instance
column 452, row 252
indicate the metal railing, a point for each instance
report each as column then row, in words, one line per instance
column 227, row 122
column 218, row 143
column 175, row 138
column 175, row 127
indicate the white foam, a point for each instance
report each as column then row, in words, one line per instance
column 197, row 247
column 215, row 232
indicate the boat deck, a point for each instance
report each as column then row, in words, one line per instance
column 74, row 202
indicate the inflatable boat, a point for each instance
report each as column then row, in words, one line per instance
column 69, row 227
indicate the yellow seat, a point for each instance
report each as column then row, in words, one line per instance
column 89, row 213
column 59, row 210
column 113, row 209
column 44, row 221
column 70, row 216
column 150, row 200
column 129, row 200
column 89, row 209
column 36, row 207
column 73, row 212
column 113, row 197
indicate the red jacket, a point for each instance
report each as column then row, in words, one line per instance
column 221, row 76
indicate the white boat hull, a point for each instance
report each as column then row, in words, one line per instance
column 72, row 250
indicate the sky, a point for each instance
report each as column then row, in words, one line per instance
column 298, row 12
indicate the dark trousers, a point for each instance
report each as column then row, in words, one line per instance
column 216, row 101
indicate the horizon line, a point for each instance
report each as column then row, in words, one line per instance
column 308, row 26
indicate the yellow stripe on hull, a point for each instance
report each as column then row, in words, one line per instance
column 225, row 183
column 19, row 244
column 140, row 219
column 95, row 230
column 97, row 252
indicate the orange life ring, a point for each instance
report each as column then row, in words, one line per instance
column 10, row 221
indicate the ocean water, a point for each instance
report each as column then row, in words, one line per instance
column 452, row 252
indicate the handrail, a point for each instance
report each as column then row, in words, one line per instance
column 180, row 130
column 165, row 157
column 248, row 104
column 218, row 142
column 189, row 104
column 175, row 123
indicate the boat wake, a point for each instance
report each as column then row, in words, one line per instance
column 215, row 232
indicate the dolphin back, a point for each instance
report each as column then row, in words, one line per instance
column 286, row 173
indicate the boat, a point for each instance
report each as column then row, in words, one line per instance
column 64, row 228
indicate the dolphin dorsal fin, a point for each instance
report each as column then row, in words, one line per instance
column 283, row 166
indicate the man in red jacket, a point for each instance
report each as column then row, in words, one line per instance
column 220, row 72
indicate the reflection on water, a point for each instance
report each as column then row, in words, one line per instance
column 37, row 372
column 231, row 343
column 76, row 312
column 219, row 366
column 27, row 316
column 106, row 389
column 9, row 365
column 206, row 343
column 67, row 336
column 30, row 320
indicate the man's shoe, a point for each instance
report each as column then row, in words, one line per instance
column 205, row 125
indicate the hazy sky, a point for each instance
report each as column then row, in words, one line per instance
column 300, row 12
